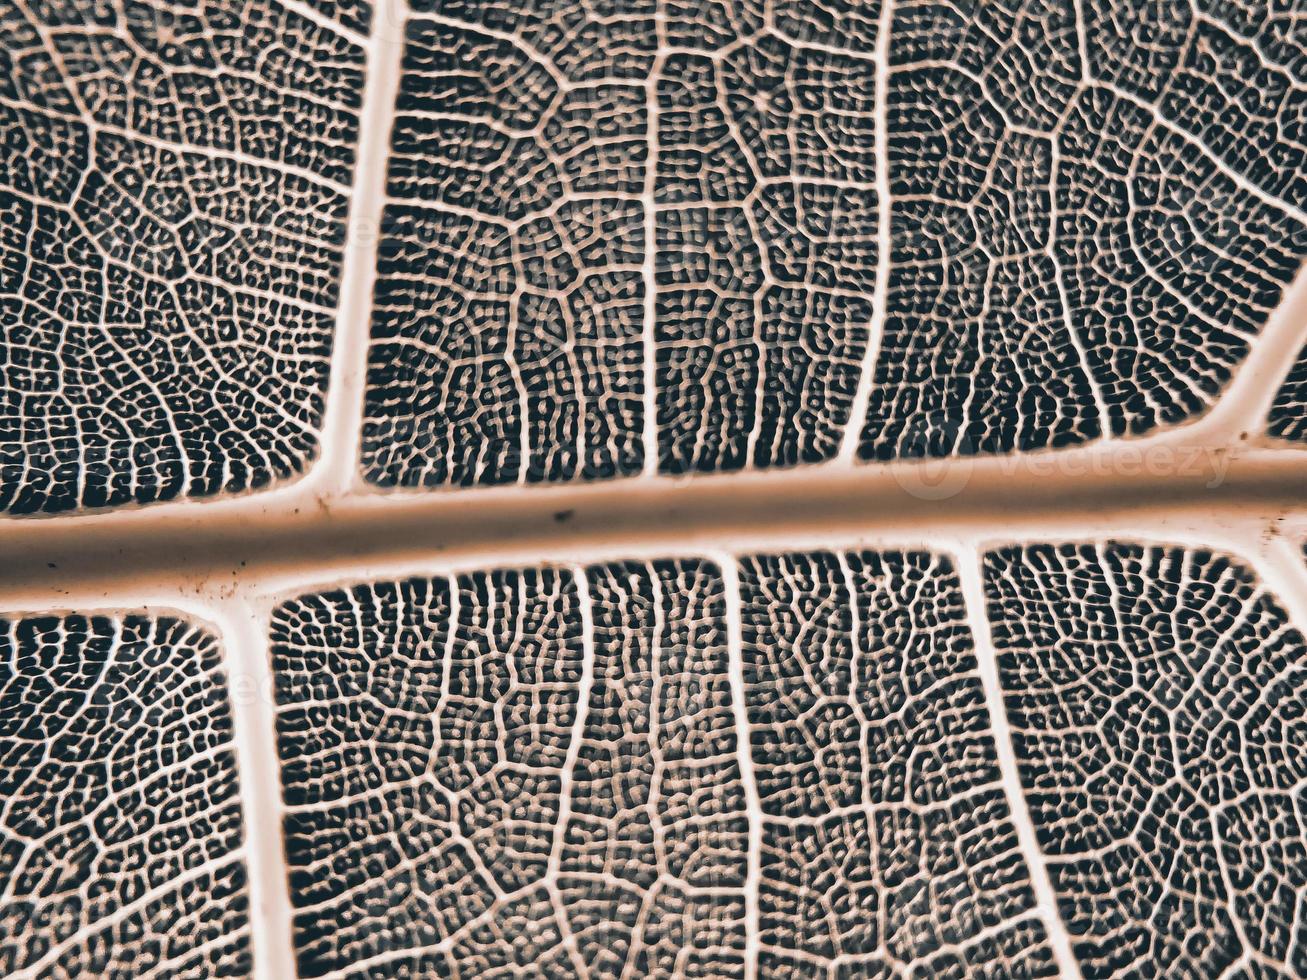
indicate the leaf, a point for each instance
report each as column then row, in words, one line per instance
column 122, row 816
column 1149, row 737
column 175, row 188
column 759, row 682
